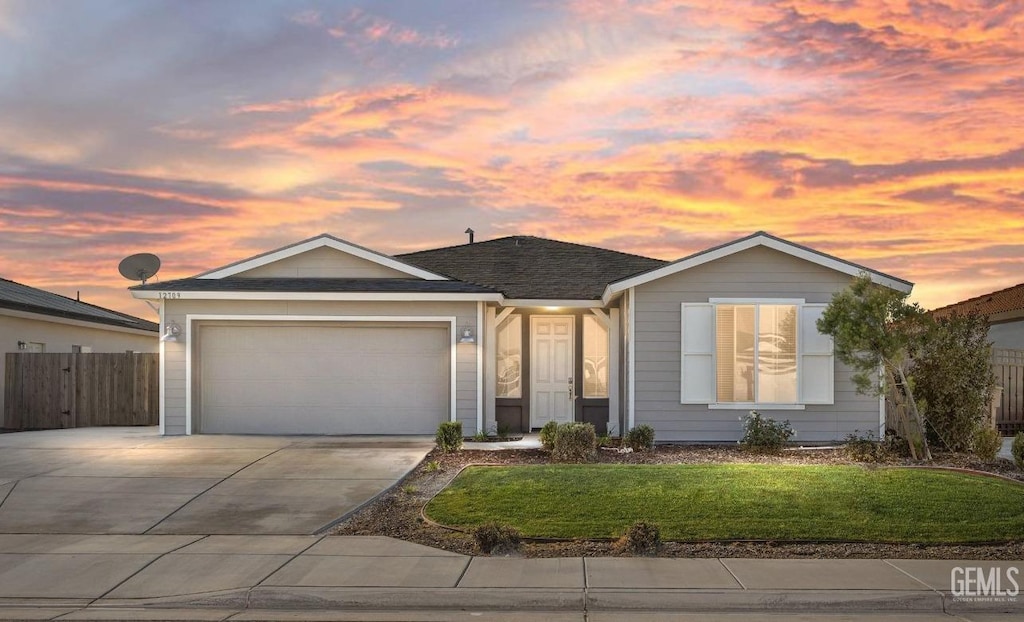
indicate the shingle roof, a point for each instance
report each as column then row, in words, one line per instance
column 20, row 297
column 528, row 267
column 1002, row 301
column 306, row 284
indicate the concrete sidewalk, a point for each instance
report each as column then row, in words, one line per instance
column 78, row 577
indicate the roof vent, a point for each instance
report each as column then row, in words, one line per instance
column 470, row 232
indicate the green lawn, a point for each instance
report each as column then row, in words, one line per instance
column 737, row 502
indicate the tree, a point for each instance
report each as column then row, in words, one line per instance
column 953, row 376
column 875, row 329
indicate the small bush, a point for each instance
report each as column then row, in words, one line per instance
column 764, row 434
column 864, row 447
column 495, row 538
column 986, row 443
column 547, row 435
column 504, row 431
column 605, row 440
column 409, row 489
column 480, row 437
column 1017, row 449
column 575, row 442
column 449, row 436
column 432, row 466
column 640, row 438
column 641, row 538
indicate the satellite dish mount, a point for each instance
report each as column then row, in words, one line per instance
column 139, row 267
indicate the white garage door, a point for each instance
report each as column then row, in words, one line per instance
column 283, row 378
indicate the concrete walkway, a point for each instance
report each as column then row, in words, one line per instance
column 134, row 481
column 78, row 577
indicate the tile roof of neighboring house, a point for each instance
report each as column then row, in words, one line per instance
column 20, row 297
column 527, row 267
column 310, row 284
column 1002, row 301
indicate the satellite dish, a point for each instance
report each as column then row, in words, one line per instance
column 139, row 267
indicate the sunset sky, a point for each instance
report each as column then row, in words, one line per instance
column 887, row 133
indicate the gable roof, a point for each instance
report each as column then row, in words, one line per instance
column 751, row 241
column 530, row 268
column 319, row 241
column 18, row 297
column 997, row 305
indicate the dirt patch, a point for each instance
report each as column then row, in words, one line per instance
column 397, row 513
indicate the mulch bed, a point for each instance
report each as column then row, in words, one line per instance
column 396, row 513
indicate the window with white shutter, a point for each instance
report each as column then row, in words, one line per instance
column 755, row 353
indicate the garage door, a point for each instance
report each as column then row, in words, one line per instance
column 323, row 379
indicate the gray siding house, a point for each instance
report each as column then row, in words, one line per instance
column 327, row 337
column 1004, row 310
column 35, row 320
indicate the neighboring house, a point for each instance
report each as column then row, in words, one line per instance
column 1004, row 310
column 326, row 337
column 33, row 320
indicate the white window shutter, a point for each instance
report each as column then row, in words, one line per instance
column 697, row 374
column 817, row 360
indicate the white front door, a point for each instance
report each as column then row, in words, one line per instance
column 551, row 362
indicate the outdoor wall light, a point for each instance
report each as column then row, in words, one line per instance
column 171, row 332
column 22, row 345
column 467, row 335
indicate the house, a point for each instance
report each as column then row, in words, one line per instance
column 327, row 337
column 1004, row 310
column 34, row 320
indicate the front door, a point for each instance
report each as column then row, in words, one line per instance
column 551, row 366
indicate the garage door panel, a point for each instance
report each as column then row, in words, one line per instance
column 336, row 379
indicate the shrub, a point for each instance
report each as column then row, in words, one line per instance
column 449, row 436
column 640, row 438
column 764, row 434
column 604, row 440
column 953, row 375
column 864, row 447
column 504, row 431
column 987, row 443
column 495, row 538
column 480, row 437
column 547, row 435
column 641, row 538
column 1017, row 449
column 432, row 466
column 575, row 442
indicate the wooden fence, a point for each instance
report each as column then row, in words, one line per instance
column 1008, row 367
column 46, row 391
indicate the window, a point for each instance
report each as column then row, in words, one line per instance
column 762, row 353
column 509, row 358
column 595, row 358
column 755, row 347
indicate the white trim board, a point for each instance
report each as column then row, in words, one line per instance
column 320, row 241
column 481, row 340
column 758, row 239
column 200, row 317
column 555, row 304
column 371, row 296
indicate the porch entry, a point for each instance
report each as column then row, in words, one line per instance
column 551, row 365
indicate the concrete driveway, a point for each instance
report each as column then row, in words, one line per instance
column 134, row 481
